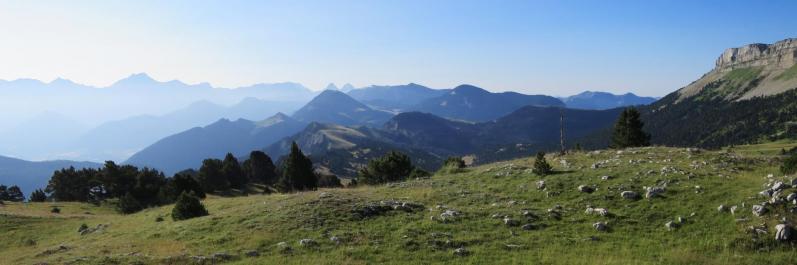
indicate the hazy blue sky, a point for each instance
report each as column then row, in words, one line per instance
column 550, row 47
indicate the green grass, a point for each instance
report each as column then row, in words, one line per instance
column 637, row 234
column 788, row 74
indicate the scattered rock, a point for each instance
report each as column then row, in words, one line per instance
column 759, row 210
column 606, row 177
column 497, row 216
column 221, row 256
column 284, row 247
column 541, row 185
column 324, row 195
column 722, row 208
column 783, row 232
column 586, row 189
column 461, row 252
column 308, row 242
column 252, row 253
column 652, row 192
column 600, row 226
column 512, row 247
column 510, row 222
column 778, row 186
column 60, row 248
column 528, row 227
column 630, row 195
column 449, row 215
column 670, row 225
column 335, row 240
column 733, row 209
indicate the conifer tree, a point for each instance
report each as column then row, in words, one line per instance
column 38, row 196
column 260, row 168
column 297, row 173
column 232, row 171
column 541, row 166
column 129, row 204
column 628, row 130
column 211, row 177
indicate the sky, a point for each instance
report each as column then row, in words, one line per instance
column 536, row 47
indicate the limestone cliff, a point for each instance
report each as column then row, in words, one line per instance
column 748, row 71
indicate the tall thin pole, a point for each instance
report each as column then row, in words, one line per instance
column 562, row 131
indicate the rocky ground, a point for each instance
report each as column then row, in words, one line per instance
column 639, row 206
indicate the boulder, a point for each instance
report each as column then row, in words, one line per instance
column 528, row 227
column 510, row 222
column 336, row 240
column 449, row 215
column 670, row 225
column 722, row 208
column 600, row 226
column 602, row 211
column 284, row 247
column 778, row 186
column 461, row 252
column 766, row 192
column 733, row 209
column 652, row 192
column 606, row 177
column 541, row 185
column 586, row 189
column 759, row 210
column 252, row 253
column 629, row 195
column 783, row 232
column 791, row 197
column 308, row 242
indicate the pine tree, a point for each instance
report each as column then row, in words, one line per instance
column 259, row 168
column 211, row 177
column 14, row 194
column 128, row 204
column 38, row 196
column 188, row 206
column 232, row 171
column 628, row 130
column 297, row 173
column 541, row 166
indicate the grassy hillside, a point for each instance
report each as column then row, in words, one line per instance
column 256, row 224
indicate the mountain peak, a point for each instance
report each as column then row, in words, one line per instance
column 332, row 86
column 136, row 79
column 347, row 87
column 469, row 89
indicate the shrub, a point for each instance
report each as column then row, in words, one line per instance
column 418, row 173
column 453, row 165
column 329, row 181
column 55, row 210
column 187, row 207
column 541, row 166
column 128, row 204
column 789, row 165
column 393, row 166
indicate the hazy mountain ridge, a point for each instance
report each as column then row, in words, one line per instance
column 603, row 100
column 187, row 149
column 30, row 175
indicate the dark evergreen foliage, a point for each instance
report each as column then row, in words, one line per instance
column 232, row 171
column 188, row 206
column 715, row 122
column 297, row 172
column 211, row 177
column 329, row 181
column 38, row 196
column 128, row 204
column 259, row 168
column 13, row 193
column 541, row 166
column 628, row 130
column 394, row 166
column 789, row 165
column 183, row 183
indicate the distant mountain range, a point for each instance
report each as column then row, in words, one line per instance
column 187, row 149
column 33, row 175
column 602, row 100
column 332, row 106
column 342, row 127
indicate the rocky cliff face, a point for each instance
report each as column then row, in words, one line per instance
column 748, row 71
column 781, row 54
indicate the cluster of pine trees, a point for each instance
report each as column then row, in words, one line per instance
column 13, row 193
